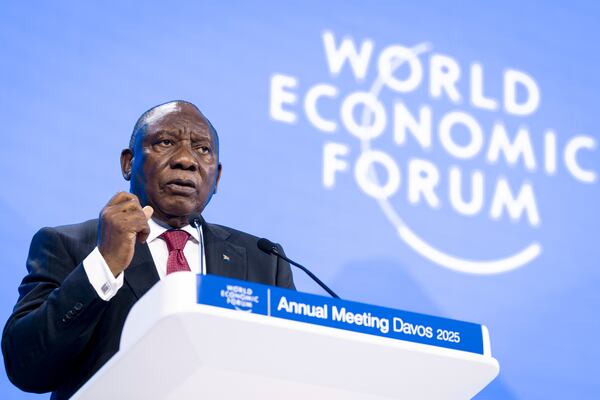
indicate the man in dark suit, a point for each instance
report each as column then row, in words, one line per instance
column 83, row 279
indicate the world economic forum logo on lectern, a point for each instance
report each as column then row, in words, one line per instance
column 365, row 116
column 239, row 297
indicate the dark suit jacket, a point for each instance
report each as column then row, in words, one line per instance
column 61, row 332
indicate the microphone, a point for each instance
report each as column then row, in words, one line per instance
column 195, row 220
column 269, row 247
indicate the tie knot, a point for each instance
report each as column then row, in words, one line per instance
column 175, row 238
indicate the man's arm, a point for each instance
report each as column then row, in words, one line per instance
column 59, row 307
column 54, row 317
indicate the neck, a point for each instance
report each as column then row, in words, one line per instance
column 171, row 221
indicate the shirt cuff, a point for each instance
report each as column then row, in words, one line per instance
column 100, row 276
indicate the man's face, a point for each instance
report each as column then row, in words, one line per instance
column 174, row 166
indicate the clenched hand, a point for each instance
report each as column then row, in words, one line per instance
column 122, row 222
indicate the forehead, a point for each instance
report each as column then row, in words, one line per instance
column 158, row 113
column 177, row 119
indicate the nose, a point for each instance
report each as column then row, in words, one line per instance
column 184, row 158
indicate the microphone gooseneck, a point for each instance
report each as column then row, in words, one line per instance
column 195, row 221
column 271, row 248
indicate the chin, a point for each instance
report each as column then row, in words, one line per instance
column 179, row 208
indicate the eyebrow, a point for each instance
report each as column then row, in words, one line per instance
column 203, row 135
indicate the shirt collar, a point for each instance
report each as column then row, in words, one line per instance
column 158, row 228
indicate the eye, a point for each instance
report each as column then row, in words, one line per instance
column 204, row 149
column 163, row 143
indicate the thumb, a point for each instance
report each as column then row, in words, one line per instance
column 148, row 211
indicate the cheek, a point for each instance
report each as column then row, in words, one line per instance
column 152, row 172
column 211, row 173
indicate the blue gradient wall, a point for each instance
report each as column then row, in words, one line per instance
column 75, row 76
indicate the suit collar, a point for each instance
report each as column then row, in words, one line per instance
column 157, row 228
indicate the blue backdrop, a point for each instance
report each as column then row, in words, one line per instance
column 433, row 157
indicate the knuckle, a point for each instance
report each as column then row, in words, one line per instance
column 105, row 213
column 133, row 207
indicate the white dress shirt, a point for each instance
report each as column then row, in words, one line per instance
column 103, row 280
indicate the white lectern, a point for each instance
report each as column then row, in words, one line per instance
column 175, row 345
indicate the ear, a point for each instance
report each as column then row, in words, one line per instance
column 126, row 159
column 219, row 168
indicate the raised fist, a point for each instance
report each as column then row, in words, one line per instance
column 122, row 222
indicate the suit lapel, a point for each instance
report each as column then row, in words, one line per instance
column 223, row 257
column 141, row 274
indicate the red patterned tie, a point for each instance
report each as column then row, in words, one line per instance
column 176, row 240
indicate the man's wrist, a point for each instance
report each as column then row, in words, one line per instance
column 100, row 275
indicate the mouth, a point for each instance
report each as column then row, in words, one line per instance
column 181, row 186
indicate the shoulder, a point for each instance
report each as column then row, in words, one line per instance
column 238, row 237
column 73, row 233
column 228, row 233
column 61, row 248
